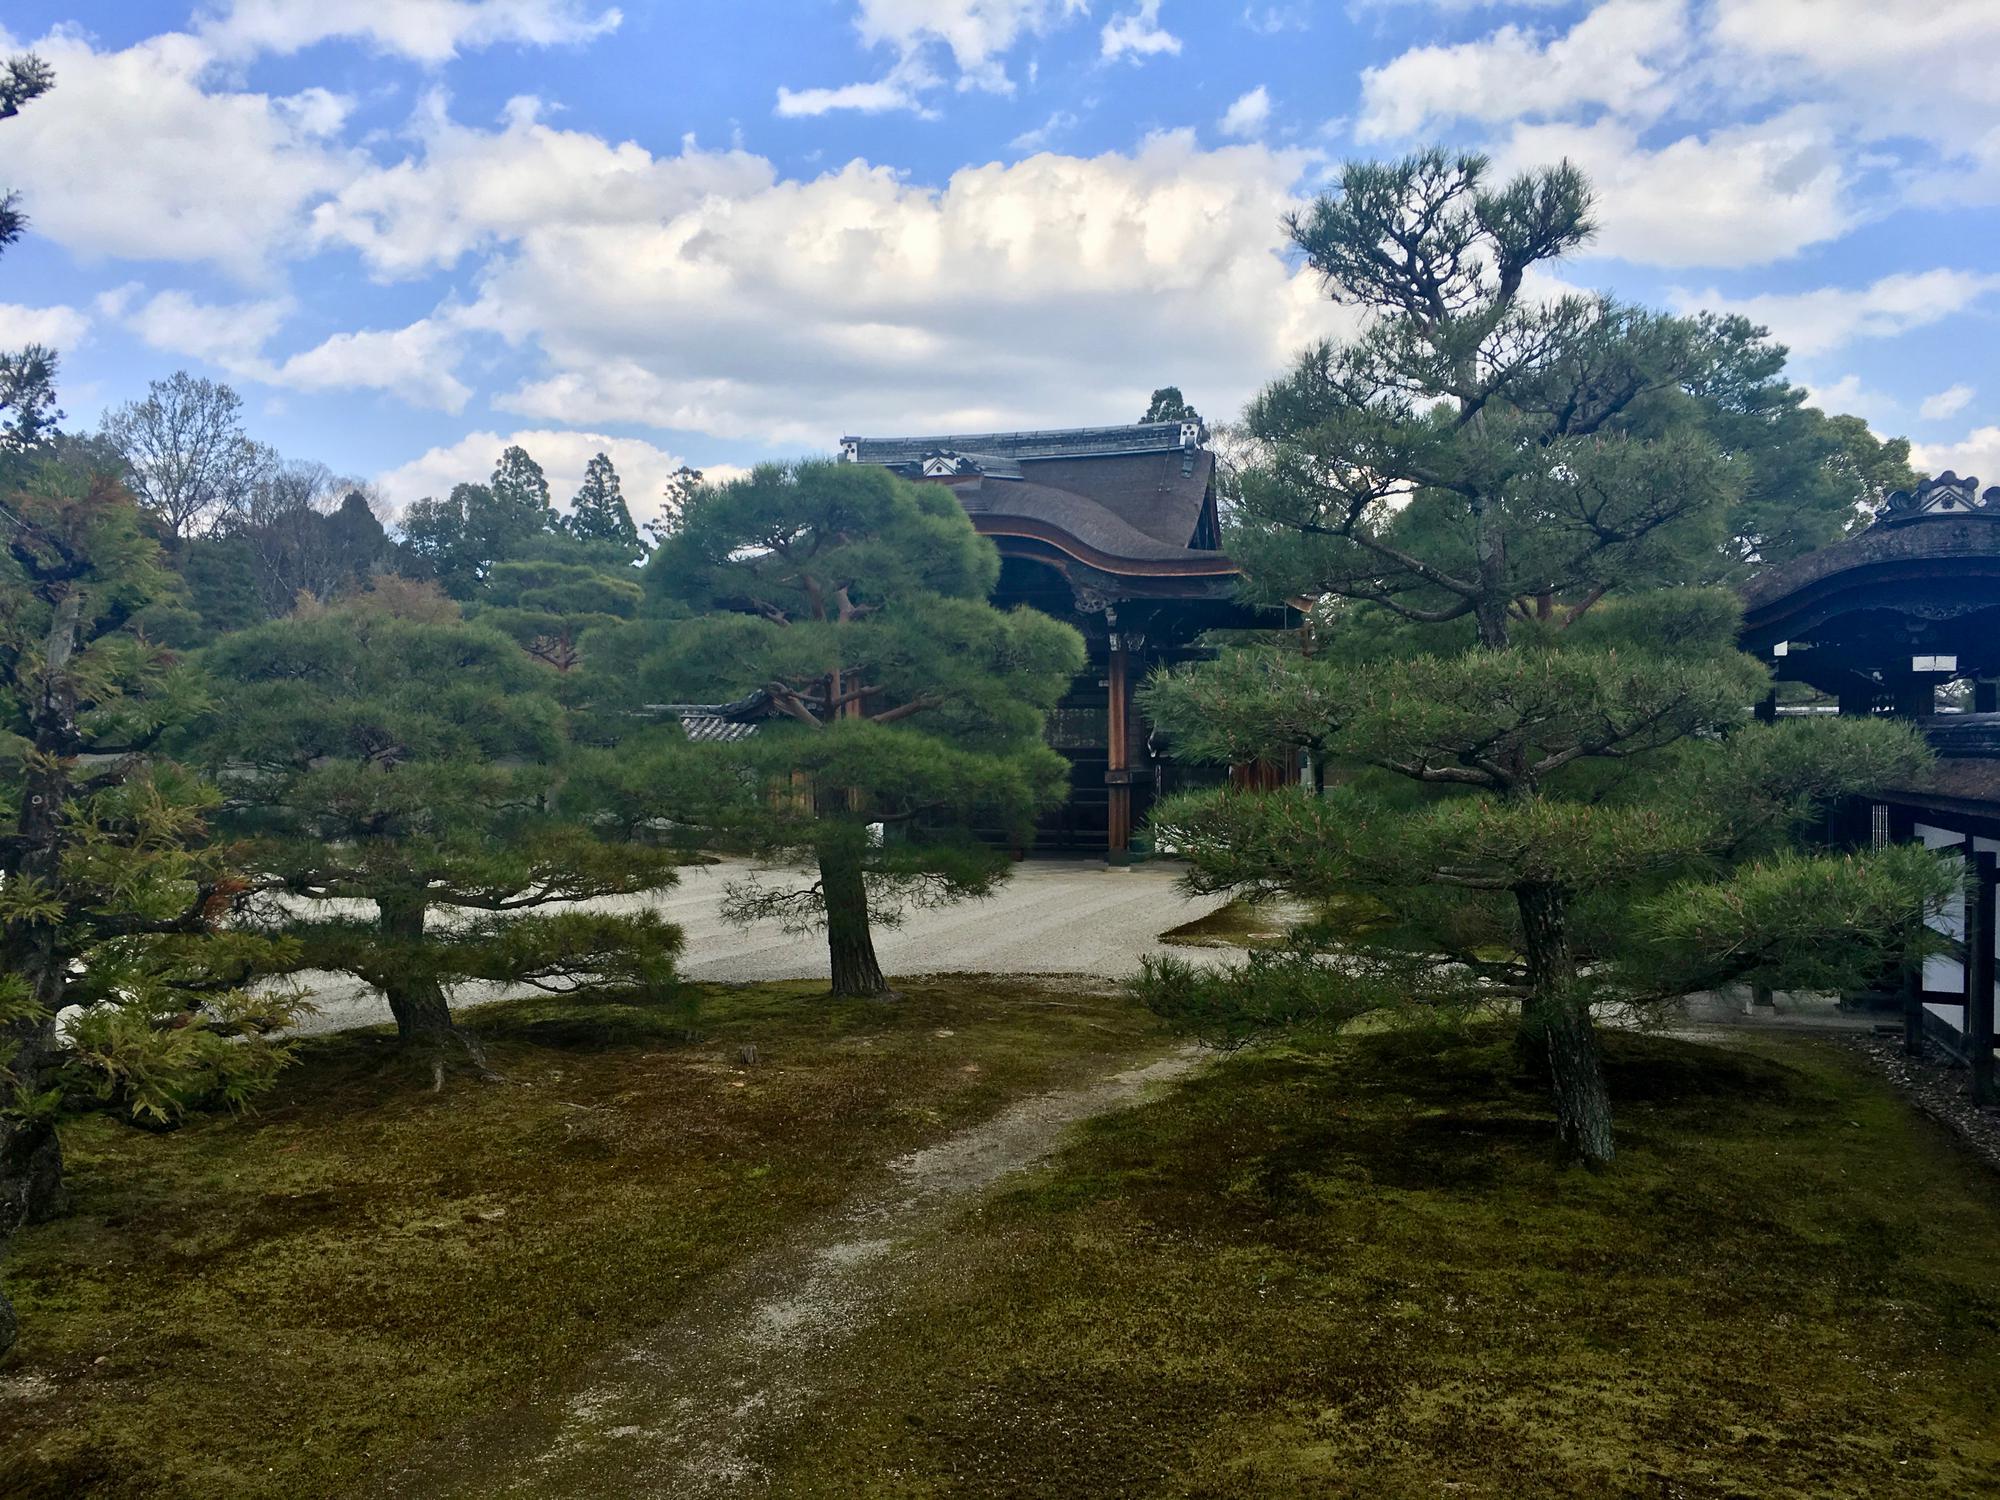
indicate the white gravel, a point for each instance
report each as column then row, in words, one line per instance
column 1053, row 917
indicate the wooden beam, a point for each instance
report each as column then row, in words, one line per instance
column 1979, row 973
column 1118, row 781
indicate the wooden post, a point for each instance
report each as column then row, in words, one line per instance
column 1979, row 966
column 1857, row 702
column 1916, row 697
column 1986, row 696
column 1767, row 708
column 1118, row 772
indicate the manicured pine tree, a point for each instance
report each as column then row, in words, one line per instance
column 598, row 513
column 547, row 607
column 1459, row 466
column 905, row 711
column 385, row 751
column 111, row 890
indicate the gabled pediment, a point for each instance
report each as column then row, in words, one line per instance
column 1947, row 494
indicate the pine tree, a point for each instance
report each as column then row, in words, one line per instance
column 1169, row 405
column 905, row 710
column 28, row 376
column 385, row 751
column 521, row 506
column 547, row 607
column 598, row 513
column 111, row 890
column 1461, row 468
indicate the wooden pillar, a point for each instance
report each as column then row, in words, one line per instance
column 1857, row 702
column 1913, row 995
column 1916, row 697
column 1118, row 770
column 1986, row 695
column 1767, row 709
column 1979, row 931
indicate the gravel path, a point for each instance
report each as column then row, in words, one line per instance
column 682, row 1412
column 1053, row 917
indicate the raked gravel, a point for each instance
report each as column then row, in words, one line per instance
column 1054, row 916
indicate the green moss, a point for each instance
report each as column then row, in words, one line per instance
column 1235, row 924
column 276, row 1304
column 1351, row 1269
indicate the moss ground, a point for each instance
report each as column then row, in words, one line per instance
column 276, row 1305
column 1351, row 1271
column 1235, row 924
column 1348, row 1269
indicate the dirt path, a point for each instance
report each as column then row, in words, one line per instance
column 680, row 1412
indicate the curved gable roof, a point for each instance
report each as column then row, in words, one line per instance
column 1125, row 500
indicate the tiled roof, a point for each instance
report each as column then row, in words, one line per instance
column 706, row 729
column 1110, row 496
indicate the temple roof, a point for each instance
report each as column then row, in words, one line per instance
column 1125, row 500
column 1933, row 551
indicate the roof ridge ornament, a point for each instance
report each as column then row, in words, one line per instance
column 1946, row 494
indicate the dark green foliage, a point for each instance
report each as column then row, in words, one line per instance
column 22, row 79
column 28, row 376
column 547, row 607
column 386, row 752
column 111, row 889
column 1807, row 478
column 1541, row 481
column 28, row 410
column 598, row 512
column 462, row 538
column 1169, row 405
column 221, row 577
column 905, row 711
column 1590, row 818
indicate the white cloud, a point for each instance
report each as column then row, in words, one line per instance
column 977, row 33
column 1918, row 67
column 1052, row 290
column 133, row 155
column 1948, row 402
column 1740, row 196
column 414, row 363
column 469, row 189
column 1615, row 57
column 1246, row 119
column 229, row 335
column 1827, row 318
column 60, row 327
column 1977, row 453
column 643, row 468
column 1044, row 135
column 1851, row 394
column 429, row 31
column 1137, row 33
column 1275, row 20
column 883, row 96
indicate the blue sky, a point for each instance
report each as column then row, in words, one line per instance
column 714, row 232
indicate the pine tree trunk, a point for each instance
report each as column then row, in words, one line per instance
column 415, row 1000
column 31, row 1175
column 31, row 1164
column 1556, row 1035
column 849, row 944
column 31, row 1167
